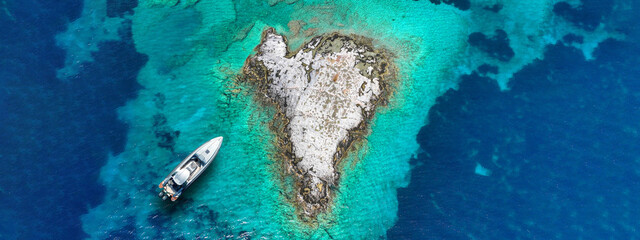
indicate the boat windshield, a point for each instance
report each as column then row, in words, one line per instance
column 196, row 158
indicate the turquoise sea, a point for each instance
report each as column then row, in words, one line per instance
column 508, row 120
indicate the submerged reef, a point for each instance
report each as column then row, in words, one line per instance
column 325, row 94
column 196, row 49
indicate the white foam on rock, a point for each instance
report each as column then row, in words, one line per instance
column 324, row 96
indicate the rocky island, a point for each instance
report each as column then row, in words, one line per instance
column 325, row 94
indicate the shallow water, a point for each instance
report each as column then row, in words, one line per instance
column 107, row 96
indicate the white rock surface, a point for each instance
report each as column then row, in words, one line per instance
column 324, row 96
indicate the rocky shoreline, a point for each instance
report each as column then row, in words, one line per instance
column 325, row 95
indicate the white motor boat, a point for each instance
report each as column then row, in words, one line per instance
column 189, row 169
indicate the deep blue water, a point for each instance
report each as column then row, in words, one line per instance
column 561, row 144
column 55, row 135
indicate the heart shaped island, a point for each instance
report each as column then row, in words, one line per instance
column 325, row 95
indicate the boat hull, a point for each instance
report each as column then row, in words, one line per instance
column 188, row 171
